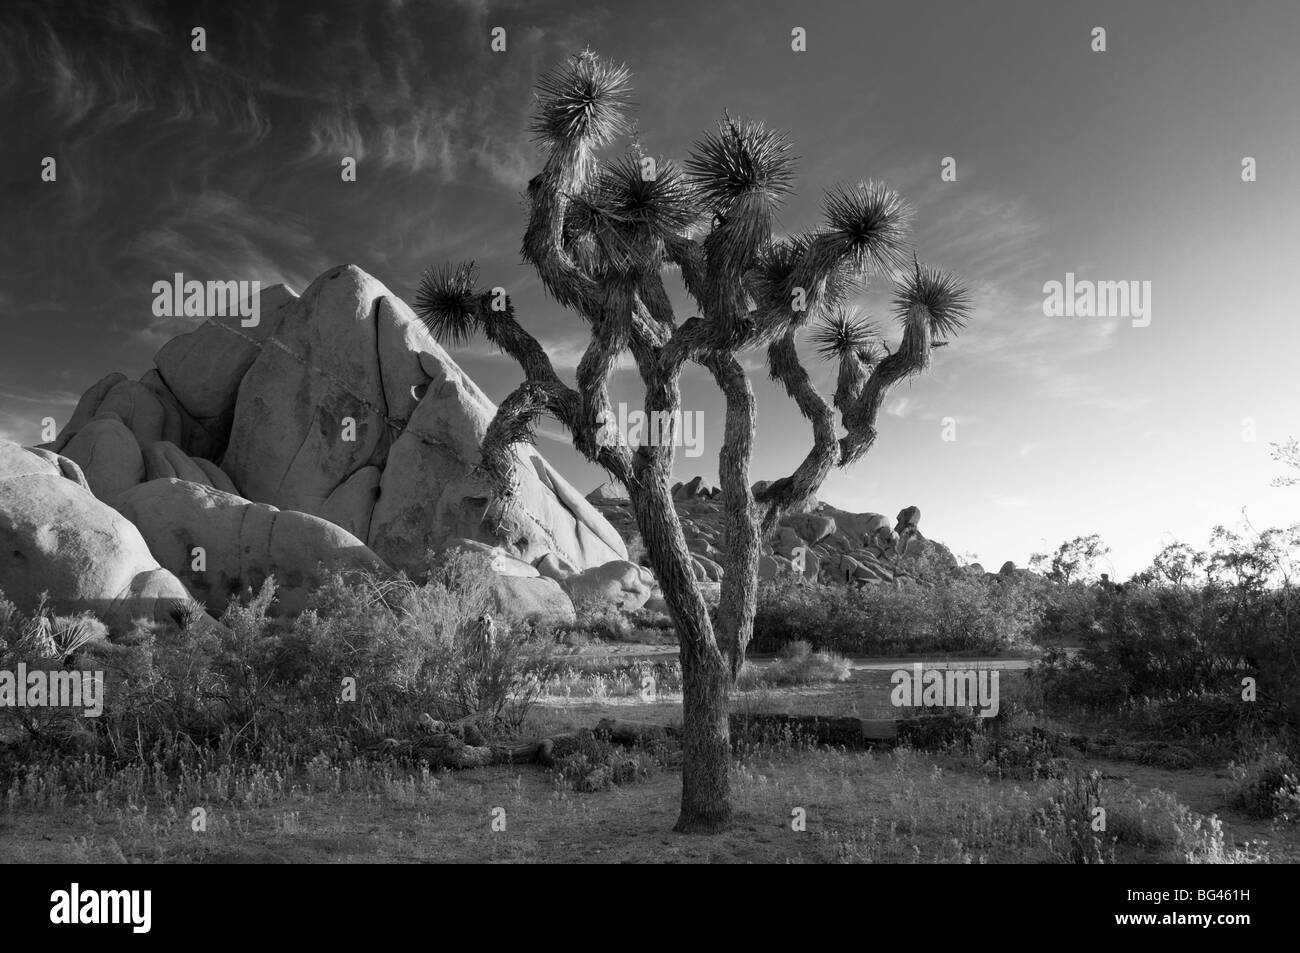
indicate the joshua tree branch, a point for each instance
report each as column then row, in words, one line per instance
column 741, row 532
column 609, row 339
column 792, row 491
column 564, row 174
column 912, row 357
column 565, row 404
column 688, row 256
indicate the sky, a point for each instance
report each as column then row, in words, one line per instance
column 1122, row 165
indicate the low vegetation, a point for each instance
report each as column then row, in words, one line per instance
column 284, row 727
column 798, row 664
column 953, row 614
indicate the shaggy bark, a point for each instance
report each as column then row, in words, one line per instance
column 741, row 536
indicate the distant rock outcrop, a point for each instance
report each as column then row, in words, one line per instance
column 819, row 541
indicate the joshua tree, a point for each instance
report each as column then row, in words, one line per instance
column 602, row 235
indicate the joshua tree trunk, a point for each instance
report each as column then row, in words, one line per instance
column 601, row 236
column 706, row 680
column 706, row 742
column 741, row 536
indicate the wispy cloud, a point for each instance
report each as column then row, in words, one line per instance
column 900, row 407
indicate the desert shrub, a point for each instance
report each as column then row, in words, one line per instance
column 798, row 664
column 588, row 761
column 613, row 678
column 1179, row 648
column 1067, row 614
column 1067, row 821
column 367, row 658
column 1169, row 831
column 1268, row 786
column 42, row 641
column 955, row 613
column 1171, row 649
column 597, row 620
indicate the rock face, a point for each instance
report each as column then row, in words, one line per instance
column 204, row 367
column 56, row 537
column 242, row 543
column 351, row 383
column 339, row 405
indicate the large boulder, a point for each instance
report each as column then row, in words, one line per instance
column 713, row 572
column 56, row 537
column 243, row 543
column 148, row 413
column 910, row 546
column 204, row 367
column 690, row 490
column 773, row 567
column 553, row 567
column 86, row 409
column 621, row 584
column 164, row 460
column 857, row 526
column 349, row 380
column 908, row 516
column 785, row 541
column 530, row 599
column 812, row 527
column 108, row 455
column 942, row 555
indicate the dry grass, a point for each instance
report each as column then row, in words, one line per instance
column 897, row 807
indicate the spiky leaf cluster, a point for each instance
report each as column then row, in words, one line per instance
column 621, row 222
column 584, row 99
column 935, row 297
column 740, row 161
column 447, row 301
column 866, row 224
column 843, row 332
